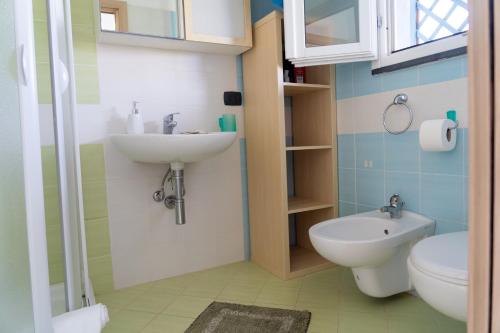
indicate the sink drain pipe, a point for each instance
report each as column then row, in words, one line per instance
column 176, row 178
column 180, row 209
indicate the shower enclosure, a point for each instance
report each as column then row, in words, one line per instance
column 35, row 133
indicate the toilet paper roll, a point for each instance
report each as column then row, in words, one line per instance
column 436, row 135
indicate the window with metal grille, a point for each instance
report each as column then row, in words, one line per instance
column 437, row 19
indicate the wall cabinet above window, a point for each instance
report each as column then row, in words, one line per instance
column 330, row 31
column 392, row 33
column 215, row 26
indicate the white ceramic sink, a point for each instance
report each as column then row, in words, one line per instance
column 175, row 149
column 374, row 246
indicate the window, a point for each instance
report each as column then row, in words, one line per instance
column 108, row 21
column 114, row 15
column 417, row 31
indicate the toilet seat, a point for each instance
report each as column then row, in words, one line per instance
column 443, row 257
column 438, row 270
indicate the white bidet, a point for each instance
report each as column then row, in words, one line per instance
column 375, row 246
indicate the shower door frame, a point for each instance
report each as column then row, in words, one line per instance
column 32, row 165
column 68, row 153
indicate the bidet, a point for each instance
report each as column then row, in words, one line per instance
column 374, row 246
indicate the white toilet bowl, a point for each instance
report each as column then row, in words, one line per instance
column 375, row 246
column 438, row 271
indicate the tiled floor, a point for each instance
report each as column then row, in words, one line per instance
column 170, row 305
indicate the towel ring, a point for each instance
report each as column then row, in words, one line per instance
column 400, row 99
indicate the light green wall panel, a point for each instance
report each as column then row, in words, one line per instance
column 84, row 43
column 95, row 212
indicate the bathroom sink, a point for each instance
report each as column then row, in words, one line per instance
column 374, row 246
column 175, row 149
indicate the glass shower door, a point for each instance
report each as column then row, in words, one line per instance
column 24, row 295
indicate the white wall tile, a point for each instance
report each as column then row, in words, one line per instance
column 146, row 244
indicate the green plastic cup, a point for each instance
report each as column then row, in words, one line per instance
column 227, row 123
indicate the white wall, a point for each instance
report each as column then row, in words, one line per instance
column 146, row 243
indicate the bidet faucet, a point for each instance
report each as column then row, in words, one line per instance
column 395, row 207
column 169, row 123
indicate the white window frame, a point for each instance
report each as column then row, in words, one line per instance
column 389, row 58
column 299, row 54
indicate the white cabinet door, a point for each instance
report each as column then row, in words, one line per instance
column 218, row 21
column 319, row 32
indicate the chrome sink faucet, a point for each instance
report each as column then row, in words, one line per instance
column 169, row 123
column 395, row 207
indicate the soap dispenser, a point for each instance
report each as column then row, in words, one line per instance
column 135, row 124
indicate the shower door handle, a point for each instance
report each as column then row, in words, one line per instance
column 24, row 65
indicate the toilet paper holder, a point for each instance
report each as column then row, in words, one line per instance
column 454, row 126
column 399, row 100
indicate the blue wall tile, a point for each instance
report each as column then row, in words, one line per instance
column 370, row 146
column 443, row 70
column 370, row 187
column 344, row 80
column 449, row 162
column 436, row 187
column 239, row 72
column 400, row 79
column 364, row 82
column 364, row 209
column 261, row 8
column 244, row 190
column 355, row 79
column 442, row 197
column 346, row 208
column 345, row 145
column 407, row 185
column 347, row 185
column 401, row 152
column 465, row 143
column 443, row 227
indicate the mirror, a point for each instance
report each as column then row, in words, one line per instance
column 158, row 18
column 417, row 22
column 331, row 22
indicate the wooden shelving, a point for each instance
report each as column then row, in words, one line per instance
column 298, row 205
column 306, row 113
column 293, row 89
column 305, row 261
column 297, row 148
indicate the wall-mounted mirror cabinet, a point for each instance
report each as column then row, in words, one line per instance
column 160, row 18
column 215, row 26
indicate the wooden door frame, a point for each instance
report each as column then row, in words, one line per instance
column 495, row 306
column 482, row 167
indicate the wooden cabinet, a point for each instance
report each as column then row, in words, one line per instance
column 291, row 155
column 218, row 21
column 330, row 31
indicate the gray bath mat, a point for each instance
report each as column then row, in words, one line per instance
column 232, row 318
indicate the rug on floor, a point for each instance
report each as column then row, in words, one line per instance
column 226, row 317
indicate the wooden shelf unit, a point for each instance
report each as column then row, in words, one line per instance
column 309, row 163
column 293, row 89
column 295, row 148
column 298, row 205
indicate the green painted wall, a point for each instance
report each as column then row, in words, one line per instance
column 84, row 41
column 95, row 211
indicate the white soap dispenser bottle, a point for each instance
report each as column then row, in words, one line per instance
column 135, row 124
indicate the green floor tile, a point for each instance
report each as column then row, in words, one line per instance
column 127, row 321
column 354, row 322
column 187, row 306
column 166, row 323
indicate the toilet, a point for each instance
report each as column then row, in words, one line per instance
column 438, row 271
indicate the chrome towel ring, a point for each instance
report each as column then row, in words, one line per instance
column 400, row 99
